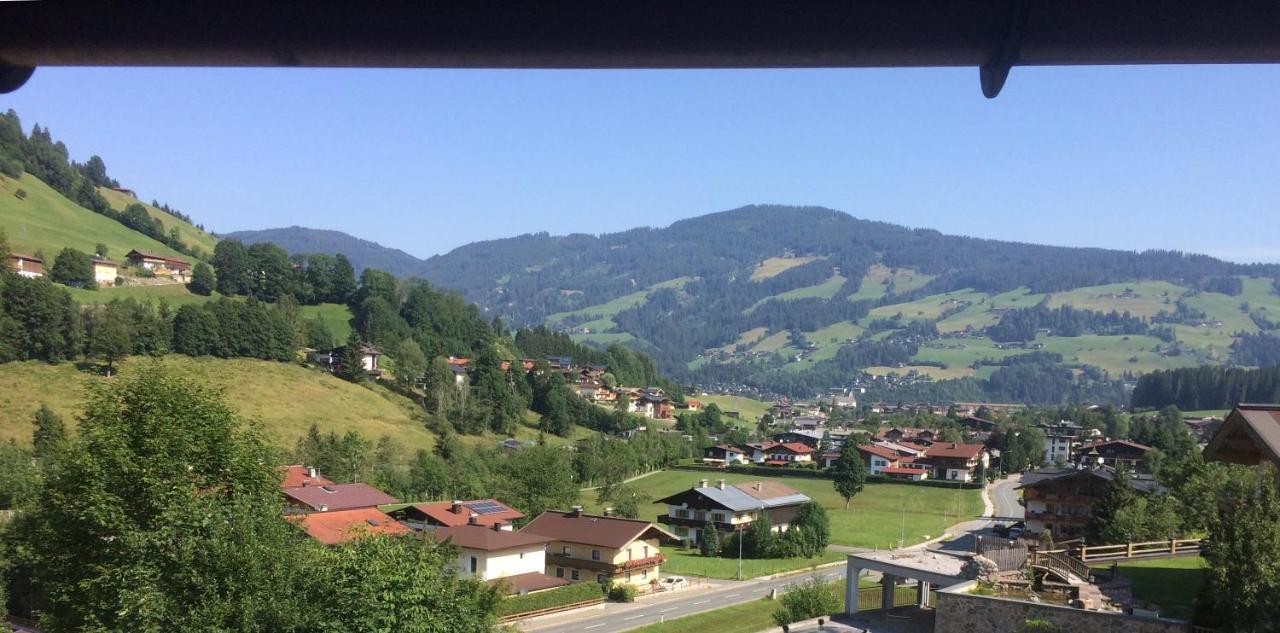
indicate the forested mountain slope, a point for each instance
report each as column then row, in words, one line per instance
column 799, row 299
column 362, row 253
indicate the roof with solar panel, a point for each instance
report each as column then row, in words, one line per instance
column 455, row 513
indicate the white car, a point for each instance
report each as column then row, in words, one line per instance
column 672, row 583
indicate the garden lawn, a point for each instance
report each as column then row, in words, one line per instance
column 878, row 516
column 749, row 409
column 691, row 563
column 747, row 617
column 1172, row 583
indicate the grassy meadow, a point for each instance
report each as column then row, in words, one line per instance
column 1171, row 583
column 190, row 234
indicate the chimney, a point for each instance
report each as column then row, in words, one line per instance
column 576, row 511
column 608, row 511
column 324, row 507
column 457, row 507
column 312, row 472
column 702, row 483
column 720, row 484
column 757, row 486
column 497, row 526
column 473, row 520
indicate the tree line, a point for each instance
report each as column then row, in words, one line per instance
column 1206, row 387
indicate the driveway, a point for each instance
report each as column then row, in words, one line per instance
column 1005, row 495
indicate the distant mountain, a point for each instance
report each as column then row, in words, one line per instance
column 362, row 253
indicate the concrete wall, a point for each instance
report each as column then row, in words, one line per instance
column 961, row 612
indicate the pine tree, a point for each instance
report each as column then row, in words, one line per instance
column 350, row 363
column 709, row 544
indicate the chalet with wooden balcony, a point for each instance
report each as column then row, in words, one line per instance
column 1062, row 499
column 605, row 549
column 730, row 508
column 1113, row 453
column 956, row 462
column 1249, row 435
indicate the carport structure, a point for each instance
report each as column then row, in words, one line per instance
column 928, row 569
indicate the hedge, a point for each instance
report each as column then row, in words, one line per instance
column 770, row 471
column 569, row 594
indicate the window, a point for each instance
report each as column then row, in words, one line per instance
column 646, row 551
column 628, row 576
column 559, row 572
column 628, row 553
column 474, row 564
column 644, row 574
column 595, row 554
column 682, row 514
column 602, row 579
column 574, row 575
column 566, row 551
column 521, row 555
column 718, row 517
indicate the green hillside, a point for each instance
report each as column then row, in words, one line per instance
column 46, row 221
column 286, row 398
column 190, row 234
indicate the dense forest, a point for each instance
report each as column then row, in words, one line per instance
column 1202, row 388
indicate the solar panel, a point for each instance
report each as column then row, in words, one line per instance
column 486, row 507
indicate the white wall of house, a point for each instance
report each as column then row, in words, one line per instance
column 502, row 564
column 1057, row 446
column 104, row 275
column 878, row 464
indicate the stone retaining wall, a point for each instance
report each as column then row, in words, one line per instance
column 959, row 611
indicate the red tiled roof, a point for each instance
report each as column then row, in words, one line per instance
column 878, row 451
column 338, row 496
column 730, row 449
column 331, row 528
column 914, row 447
column 796, row 447
column 297, row 475
column 589, row 529
column 442, row 513
column 899, row 470
column 532, row 581
column 949, row 449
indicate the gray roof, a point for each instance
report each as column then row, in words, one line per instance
column 737, row 500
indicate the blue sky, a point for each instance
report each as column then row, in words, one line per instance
column 427, row 160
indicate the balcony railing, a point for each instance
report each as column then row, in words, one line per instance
column 607, row 567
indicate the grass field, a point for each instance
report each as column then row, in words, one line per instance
column 1171, row 583
column 776, row 265
column 877, row 517
column 937, row 373
column 190, row 234
column 1112, row 353
column 824, row 290
column 873, row 284
column 336, row 317
column 773, row 342
column 925, row 308
column 49, row 222
column 286, row 398
column 748, row 617
column 749, row 409
column 602, row 314
column 173, row 294
column 1145, row 299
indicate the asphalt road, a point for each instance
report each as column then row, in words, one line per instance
column 619, row 617
column 1004, row 494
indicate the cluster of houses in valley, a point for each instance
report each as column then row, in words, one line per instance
column 556, row 548
column 105, row 271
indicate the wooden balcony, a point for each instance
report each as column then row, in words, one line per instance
column 604, row 566
column 700, row 523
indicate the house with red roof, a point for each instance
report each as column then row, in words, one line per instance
column 483, row 512
column 780, row 454
column 605, row 549
column 725, row 455
column 340, row 526
column 956, row 462
column 298, row 475
column 1132, row 455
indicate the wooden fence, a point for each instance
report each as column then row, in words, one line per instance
column 1146, row 549
column 549, row 610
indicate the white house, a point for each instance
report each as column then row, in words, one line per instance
column 494, row 554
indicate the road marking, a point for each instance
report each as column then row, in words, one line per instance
column 733, row 595
column 666, row 610
column 592, row 626
column 703, row 602
column 634, row 617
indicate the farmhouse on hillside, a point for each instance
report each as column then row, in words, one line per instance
column 28, row 266
column 158, row 263
column 105, row 271
column 730, row 508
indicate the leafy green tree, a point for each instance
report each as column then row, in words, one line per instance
column 162, row 514
column 49, row 434
column 342, row 283
column 405, row 584
column 19, row 481
column 111, row 342
column 709, row 543
column 1117, row 495
column 437, row 385
column 196, row 332
column 411, row 363
column 538, row 481
column 375, row 283
column 73, row 268
column 428, row 476
column 101, row 250
column 202, row 279
column 1243, row 554
column 234, row 267
column 810, row 530
column 848, row 475
column 317, row 334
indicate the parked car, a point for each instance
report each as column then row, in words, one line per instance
column 1003, row 529
column 672, row 583
column 1015, row 533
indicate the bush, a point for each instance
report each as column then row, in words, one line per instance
column 119, row 281
column 20, row 194
column 811, row 599
column 560, row 596
column 622, row 592
column 11, row 168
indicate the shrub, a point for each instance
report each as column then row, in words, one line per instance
column 622, row 592
column 119, row 281
column 21, row 194
column 569, row 594
column 811, row 599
